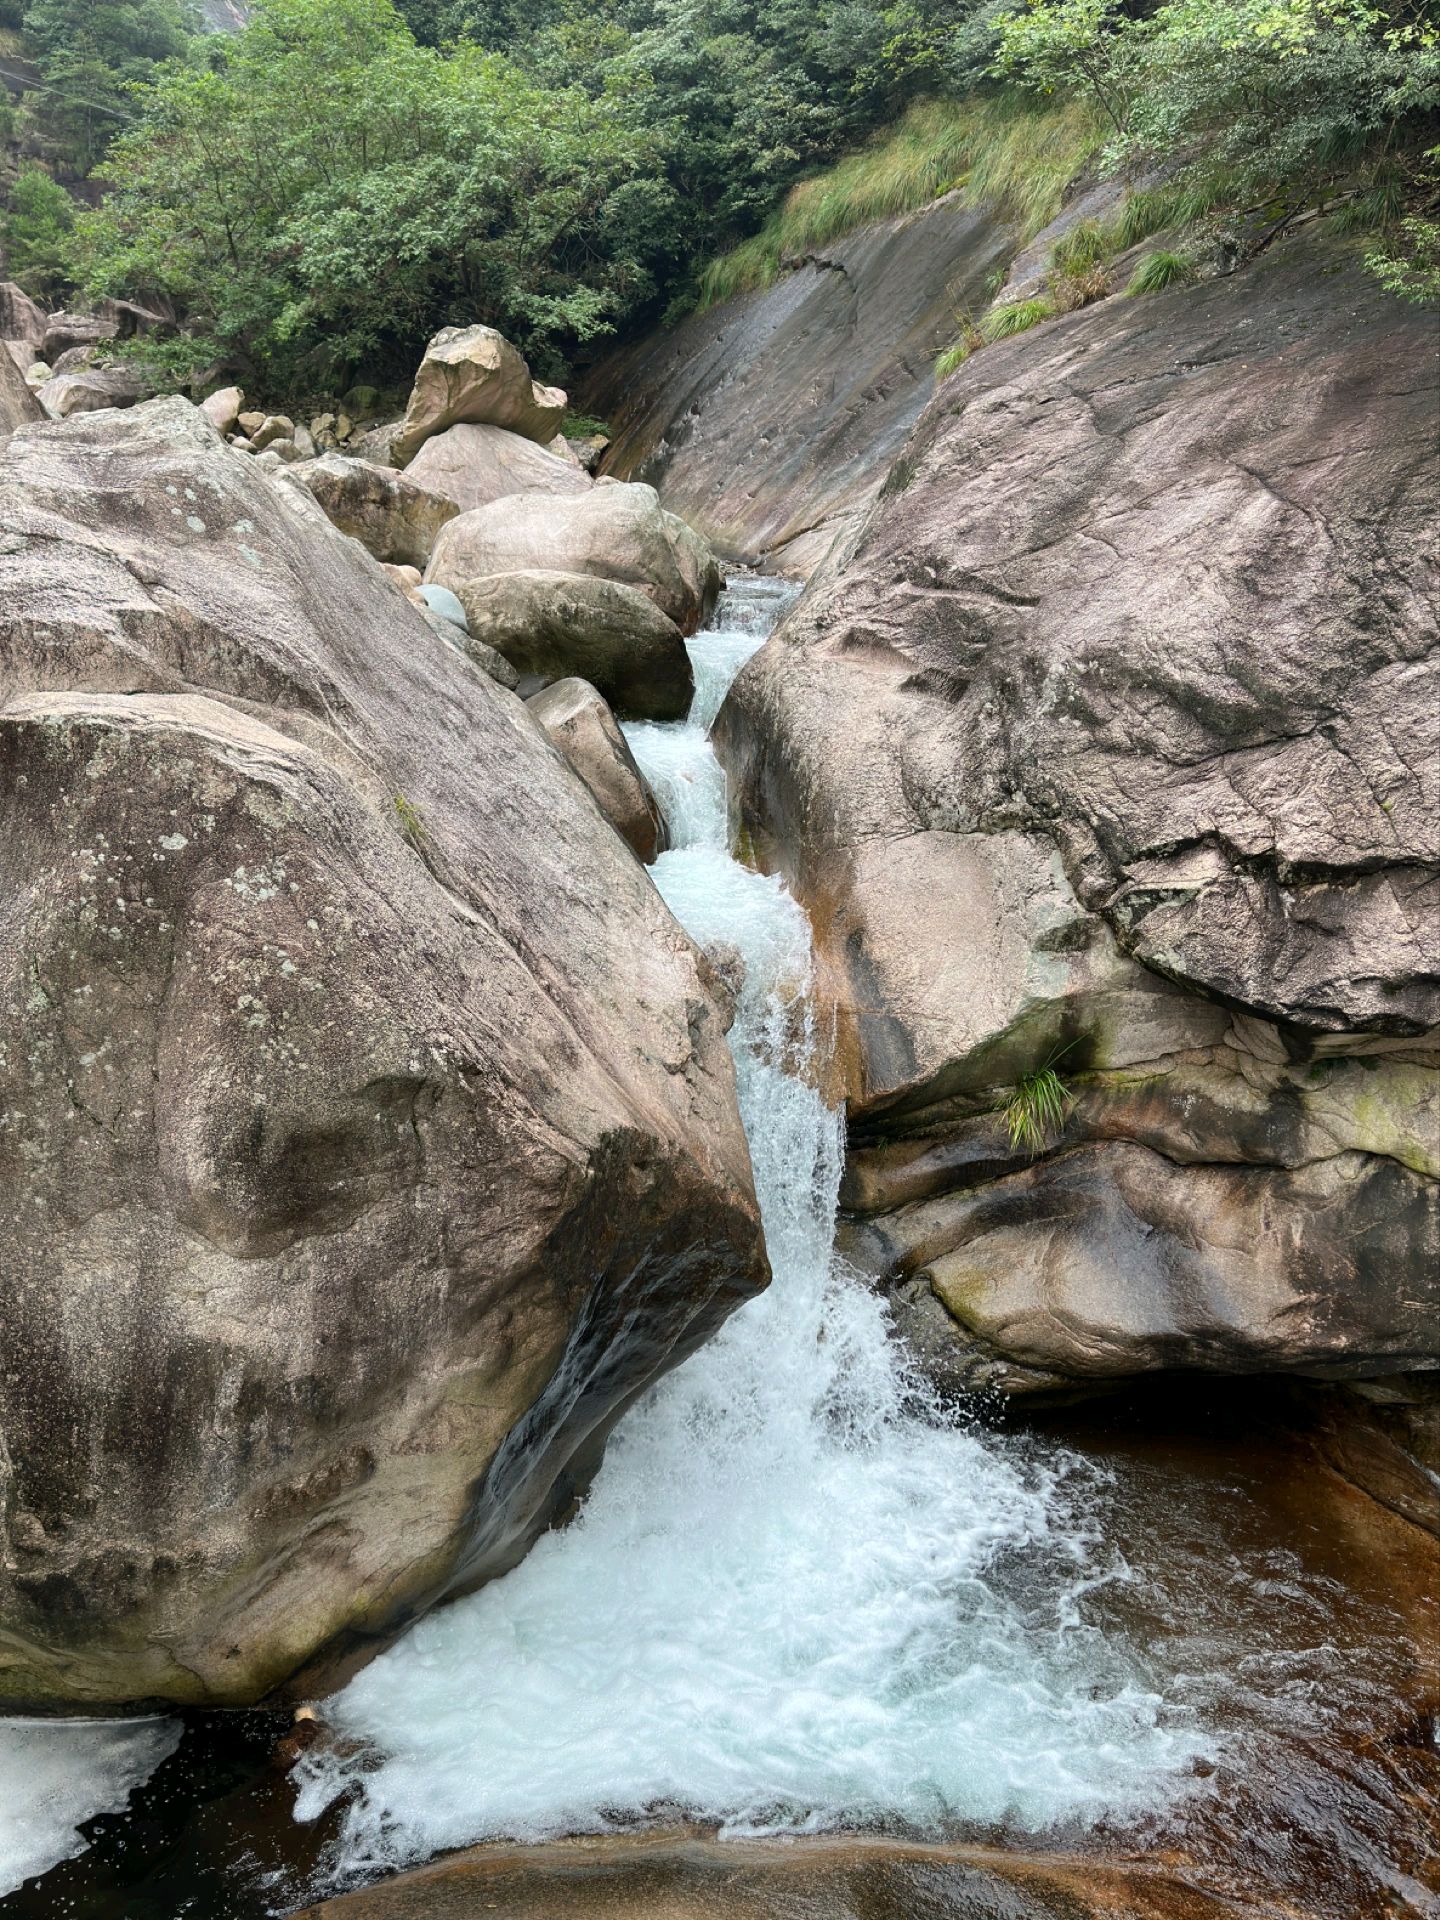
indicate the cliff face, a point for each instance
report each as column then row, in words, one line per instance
column 1108, row 743
column 770, row 421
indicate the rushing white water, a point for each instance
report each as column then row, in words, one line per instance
column 56, row 1774
column 799, row 1595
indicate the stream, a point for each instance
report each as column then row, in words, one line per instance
column 804, row 1595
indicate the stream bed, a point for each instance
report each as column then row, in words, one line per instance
column 804, row 1597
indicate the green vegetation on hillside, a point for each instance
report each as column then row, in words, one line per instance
column 321, row 191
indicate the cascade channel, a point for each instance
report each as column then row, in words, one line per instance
column 801, row 1594
column 805, row 1597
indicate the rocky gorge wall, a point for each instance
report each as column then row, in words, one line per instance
column 1104, row 739
column 770, row 421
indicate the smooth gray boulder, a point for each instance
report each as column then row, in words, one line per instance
column 556, row 625
column 387, row 512
column 66, row 331
column 473, row 465
column 575, row 716
column 370, row 1136
column 1104, row 745
column 612, row 532
column 223, row 409
column 473, row 376
column 94, row 389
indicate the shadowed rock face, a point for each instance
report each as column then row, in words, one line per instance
column 17, row 403
column 367, row 1133
column 1110, row 740
column 770, row 421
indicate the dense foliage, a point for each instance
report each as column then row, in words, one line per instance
column 324, row 189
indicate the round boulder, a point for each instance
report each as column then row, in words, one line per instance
column 616, row 531
column 473, row 465
column 559, row 624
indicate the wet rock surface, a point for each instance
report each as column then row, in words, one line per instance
column 369, row 1133
column 770, row 421
column 1104, row 746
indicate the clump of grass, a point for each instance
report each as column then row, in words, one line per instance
column 1152, row 210
column 412, row 823
column 1017, row 316
column 1004, row 150
column 967, row 341
column 1159, row 270
column 1084, row 246
column 1036, row 1109
column 1380, row 204
column 1079, row 287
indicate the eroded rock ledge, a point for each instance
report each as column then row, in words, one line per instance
column 1110, row 741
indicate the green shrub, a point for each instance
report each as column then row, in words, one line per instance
column 1159, row 270
column 37, row 232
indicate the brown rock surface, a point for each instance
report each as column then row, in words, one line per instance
column 563, row 625
column 17, row 403
column 1117, row 713
column 20, row 318
column 472, row 375
column 390, row 514
column 576, row 718
column 473, row 465
column 368, row 1135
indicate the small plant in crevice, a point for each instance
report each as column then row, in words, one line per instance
column 1036, row 1109
column 412, row 823
column 967, row 341
column 1159, row 270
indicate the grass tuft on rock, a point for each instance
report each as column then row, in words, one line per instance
column 1017, row 316
column 1036, row 1109
column 1159, row 270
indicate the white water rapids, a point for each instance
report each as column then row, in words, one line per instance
column 799, row 1594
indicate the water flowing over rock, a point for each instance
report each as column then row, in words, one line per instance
column 369, row 1137
column 1104, row 745
column 769, row 421
column 473, row 376
column 473, row 465
column 389, row 513
column 576, row 718
column 612, row 532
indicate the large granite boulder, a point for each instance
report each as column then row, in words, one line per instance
column 577, row 720
column 474, row 465
column 613, row 532
column 472, row 375
column 562, row 625
column 387, row 512
column 64, row 332
column 17, row 402
column 93, row 389
column 1108, row 745
column 368, row 1136
column 20, row 318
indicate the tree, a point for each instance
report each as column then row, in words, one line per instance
column 91, row 54
column 37, row 234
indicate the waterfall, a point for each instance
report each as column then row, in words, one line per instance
column 801, row 1594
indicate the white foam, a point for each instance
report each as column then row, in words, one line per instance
column 798, row 1595
column 57, row 1774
